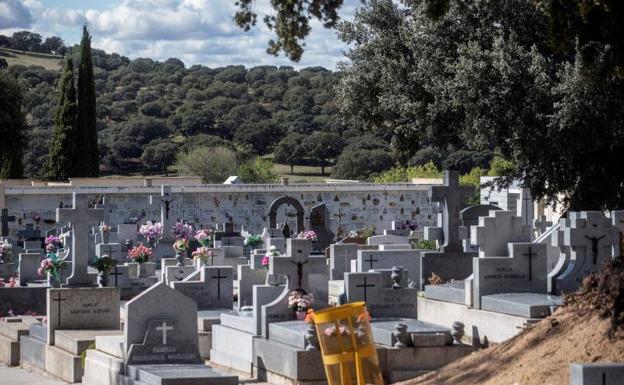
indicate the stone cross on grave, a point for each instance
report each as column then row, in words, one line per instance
column 168, row 222
column 592, row 235
column 29, row 233
column 79, row 217
column 452, row 196
column 297, row 264
column 108, row 208
column 5, row 218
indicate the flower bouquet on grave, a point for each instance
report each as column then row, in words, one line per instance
column 267, row 257
column 310, row 235
column 104, row 265
column 6, row 251
column 140, row 254
column 180, row 247
column 204, row 237
column 202, row 254
column 36, row 218
column 151, row 231
column 53, row 243
column 299, row 302
column 253, row 241
column 11, row 282
column 105, row 231
column 52, row 266
column 182, row 231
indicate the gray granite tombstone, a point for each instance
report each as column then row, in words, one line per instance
column 79, row 217
column 600, row 373
column 592, row 240
column 375, row 259
column 82, row 308
column 340, row 257
column 498, row 229
column 319, row 223
column 383, row 298
column 523, row 272
column 28, row 265
column 470, row 217
column 30, row 233
column 213, row 290
column 161, row 328
column 389, row 239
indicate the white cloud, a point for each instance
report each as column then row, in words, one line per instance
column 14, row 14
column 196, row 31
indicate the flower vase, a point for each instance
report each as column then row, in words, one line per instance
column 105, row 236
column 147, row 269
column 180, row 255
column 103, row 278
column 53, row 282
column 199, row 263
column 300, row 315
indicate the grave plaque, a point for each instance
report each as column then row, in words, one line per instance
column 602, row 373
column 82, row 308
column 382, row 300
column 161, row 328
column 212, row 291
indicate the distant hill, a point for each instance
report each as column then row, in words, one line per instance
column 15, row 57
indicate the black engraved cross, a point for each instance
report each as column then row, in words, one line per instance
column 365, row 286
column 530, row 254
column 370, row 260
column 116, row 274
column 219, row 277
column 6, row 218
column 299, row 272
column 59, row 300
column 228, row 242
column 594, row 248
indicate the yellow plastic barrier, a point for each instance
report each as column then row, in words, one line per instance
column 347, row 346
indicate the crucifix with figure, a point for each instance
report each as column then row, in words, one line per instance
column 79, row 218
column 297, row 264
column 452, row 196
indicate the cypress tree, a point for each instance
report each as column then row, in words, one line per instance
column 12, row 126
column 64, row 150
column 88, row 159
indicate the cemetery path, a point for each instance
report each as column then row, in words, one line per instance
column 19, row 376
column 541, row 355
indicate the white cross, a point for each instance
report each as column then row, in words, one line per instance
column 164, row 328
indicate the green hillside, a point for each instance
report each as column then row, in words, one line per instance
column 15, row 57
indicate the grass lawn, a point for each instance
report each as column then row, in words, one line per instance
column 303, row 174
column 47, row 61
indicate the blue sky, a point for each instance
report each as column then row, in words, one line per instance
column 196, row 31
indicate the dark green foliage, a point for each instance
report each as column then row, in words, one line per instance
column 290, row 150
column 88, row 160
column 159, row 155
column 360, row 164
column 290, row 21
column 323, row 147
column 12, row 128
column 64, row 148
column 3, row 63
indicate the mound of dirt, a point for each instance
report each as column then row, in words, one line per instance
column 589, row 328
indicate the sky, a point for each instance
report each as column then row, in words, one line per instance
column 195, row 31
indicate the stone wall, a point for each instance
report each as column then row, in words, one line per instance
column 351, row 206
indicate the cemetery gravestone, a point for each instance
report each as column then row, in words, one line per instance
column 213, row 290
column 383, row 299
column 340, row 257
column 469, row 217
column 30, row 233
column 498, row 229
column 79, row 217
column 523, row 272
column 592, row 239
column 82, row 308
column 596, row 374
column 319, row 223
